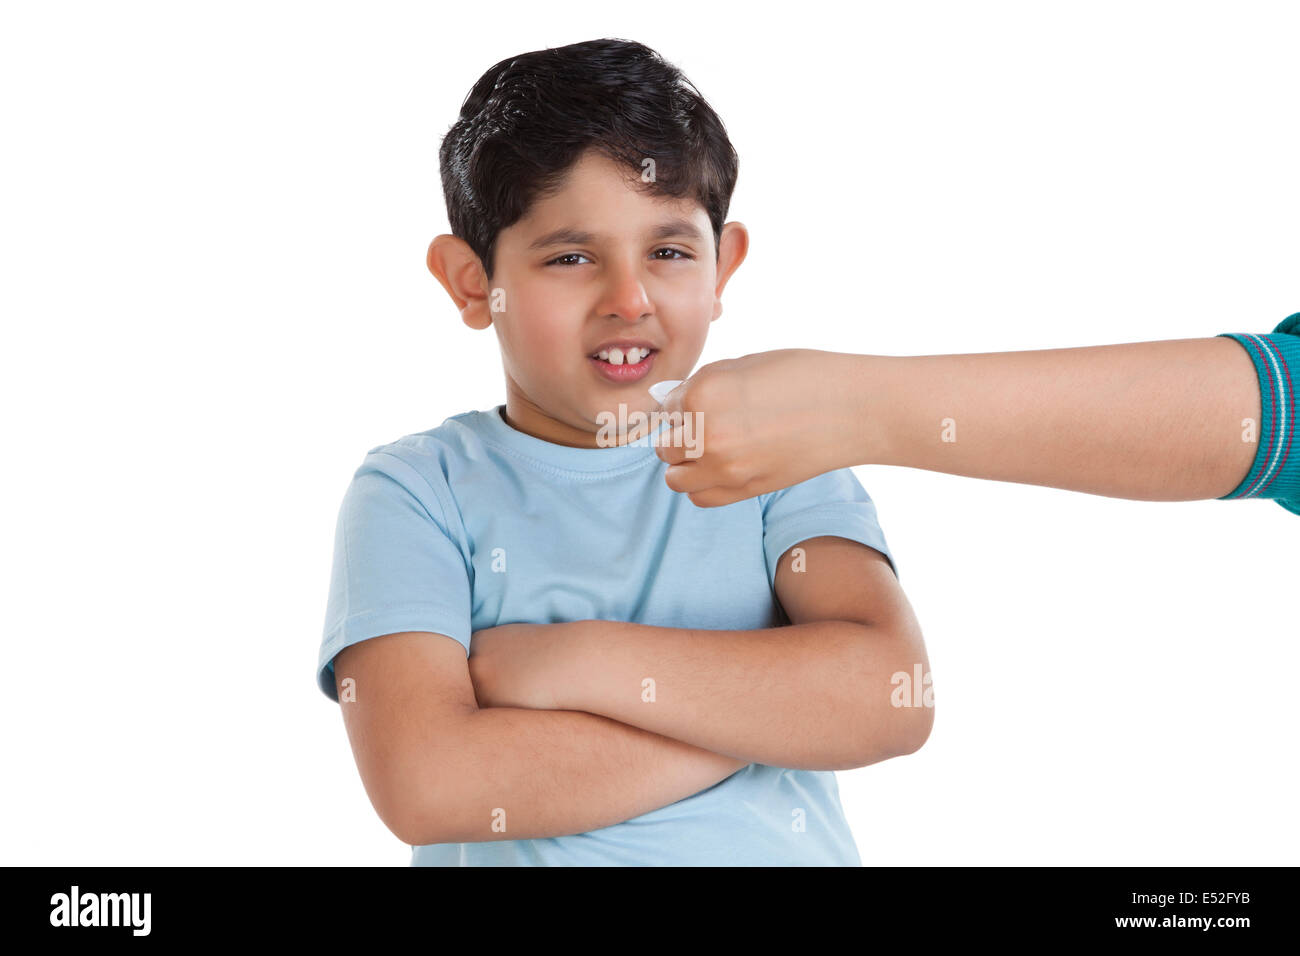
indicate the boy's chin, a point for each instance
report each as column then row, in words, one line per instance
column 620, row 418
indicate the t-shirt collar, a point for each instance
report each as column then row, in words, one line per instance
column 492, row 427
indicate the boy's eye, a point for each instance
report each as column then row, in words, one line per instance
column 676, row 254
column 567, row 255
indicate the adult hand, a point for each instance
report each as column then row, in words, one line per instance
column 766, row 421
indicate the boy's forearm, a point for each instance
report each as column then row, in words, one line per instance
column 548, row 773
column 1159, row 421
column 813, row 696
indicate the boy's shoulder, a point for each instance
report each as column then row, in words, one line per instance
column 455, row 437
column 429, row 464
column 431, row 467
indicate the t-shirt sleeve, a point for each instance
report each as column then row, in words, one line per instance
column 397, row 563
column 1275, row 472
column 833, row 503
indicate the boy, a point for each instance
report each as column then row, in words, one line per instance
column 544, row 655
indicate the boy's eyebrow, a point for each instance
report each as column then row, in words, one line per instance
column 569, row 235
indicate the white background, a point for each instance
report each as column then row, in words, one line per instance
column 214, row 225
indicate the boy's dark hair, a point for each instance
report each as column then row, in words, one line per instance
column 530, row 117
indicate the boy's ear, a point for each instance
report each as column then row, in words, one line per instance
column 732, row 248
column 454, row 264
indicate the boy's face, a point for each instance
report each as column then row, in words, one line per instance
column 598, row 261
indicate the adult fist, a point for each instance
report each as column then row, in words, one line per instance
column 760, row 423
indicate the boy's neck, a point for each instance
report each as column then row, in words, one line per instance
column 524, row 416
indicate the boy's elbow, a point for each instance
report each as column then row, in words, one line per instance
column 418, row 822
column 916, row 730
column 906, row 736
column 413, row 832
column 420, row 808
column 403, row 828
column 899, row 717
column 409, row 817
column 435, row 801
column 895, row 731
column 914, row 719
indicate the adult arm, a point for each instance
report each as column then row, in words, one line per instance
column 1167, row 420
column 1156, row 421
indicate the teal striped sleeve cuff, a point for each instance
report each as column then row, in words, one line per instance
column 1276, row 471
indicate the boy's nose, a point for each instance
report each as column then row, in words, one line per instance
column 625, row 296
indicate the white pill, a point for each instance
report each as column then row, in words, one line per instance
column 659, row 390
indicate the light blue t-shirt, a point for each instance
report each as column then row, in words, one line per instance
column 588, row 534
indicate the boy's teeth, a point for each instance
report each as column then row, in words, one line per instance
column 617, row 356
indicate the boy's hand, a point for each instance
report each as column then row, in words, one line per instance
column 511, row 665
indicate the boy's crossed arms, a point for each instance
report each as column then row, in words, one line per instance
column 550, row 723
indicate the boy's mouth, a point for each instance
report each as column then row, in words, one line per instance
column 623, row 365
column 623, row 354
